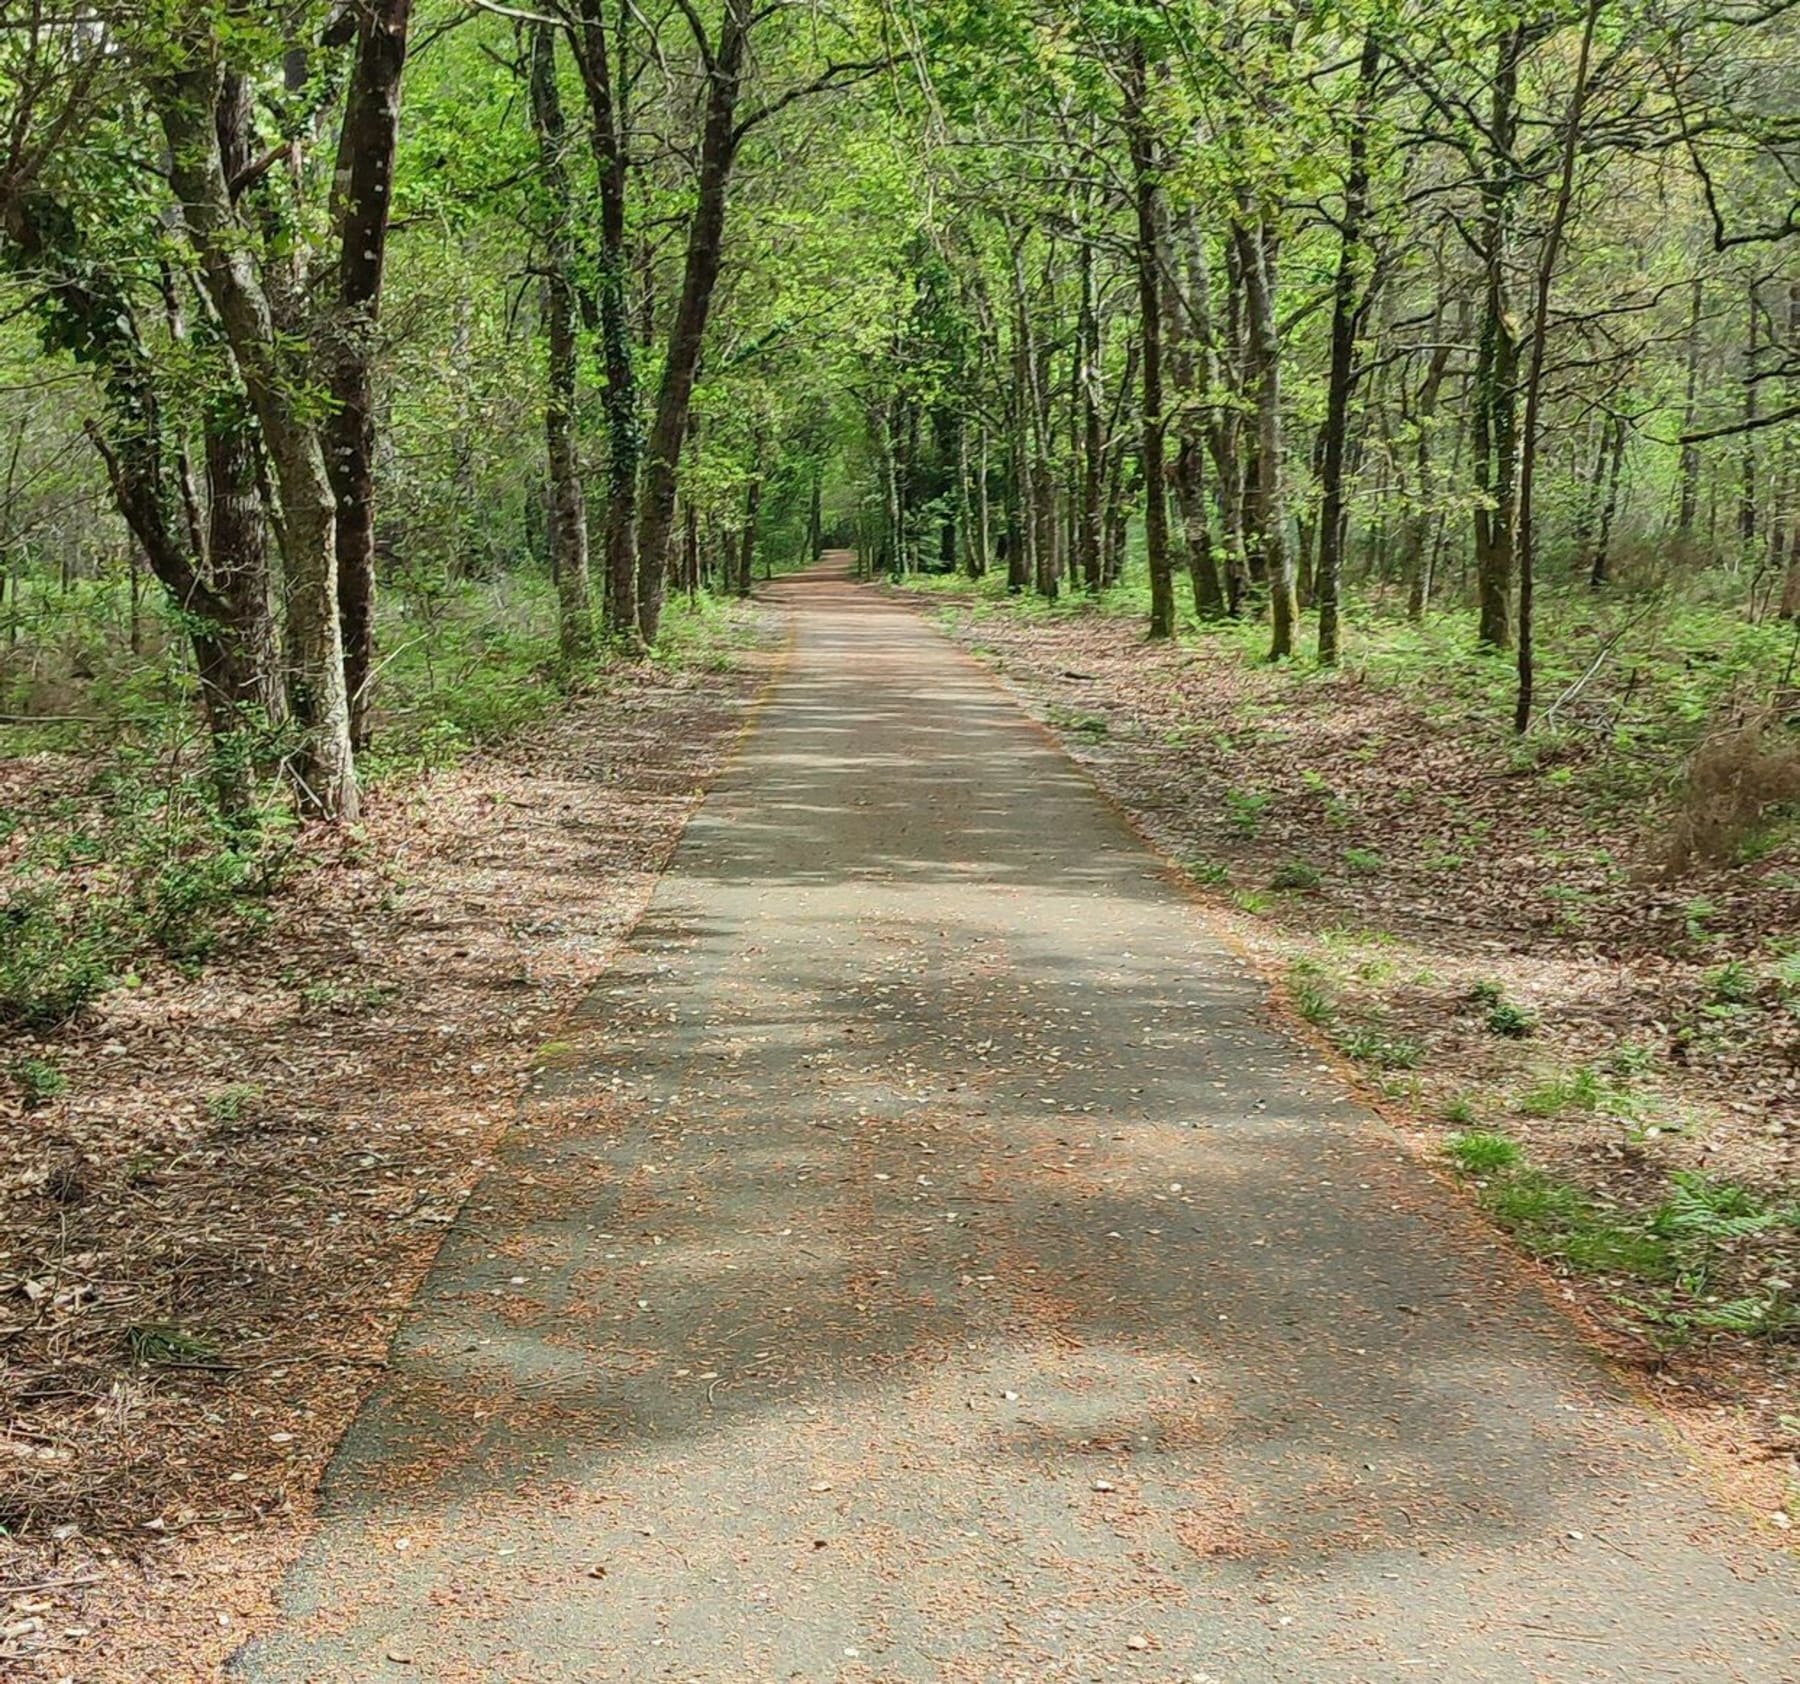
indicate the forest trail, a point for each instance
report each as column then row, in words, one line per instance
column 924, row 1260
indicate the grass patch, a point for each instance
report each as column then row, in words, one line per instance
column 1082, row 724
column 1687, row 1247
column 230, row 1104
column 1208, row 873
column 1244, row 810
column 1582, row 1089
column 1383, row 1051
column 1311, row 994
column 1482, row 1152
column 1297, row 876
column 158, row 1345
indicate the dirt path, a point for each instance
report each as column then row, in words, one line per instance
column 924, row 1262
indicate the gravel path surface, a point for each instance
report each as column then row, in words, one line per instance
column 923, row 1259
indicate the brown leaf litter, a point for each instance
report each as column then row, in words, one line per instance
column 207, row 1243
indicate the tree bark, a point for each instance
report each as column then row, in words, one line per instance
column 324, row 767
column 1256, row 245
column 1747, row 487
column 362, row 193
column 1689, row 503
column 1548, row 253
column 1495, row 421
column 753, row 495
column 1147, row 193
column 705, row 252
column 605, row 77
column 1347, row 308
column 1615, row 444
column 568, row 501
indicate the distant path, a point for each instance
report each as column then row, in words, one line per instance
column 926, row 1262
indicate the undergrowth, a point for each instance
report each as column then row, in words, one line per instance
column 1708, row 1256
column 135, row 859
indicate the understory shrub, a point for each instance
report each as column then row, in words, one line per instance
column 1735, row 783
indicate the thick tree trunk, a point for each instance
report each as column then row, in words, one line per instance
column 324, row 769
column 568, row 501
column 362, row 193
column 705, row 252
column 1185, row 328
column 605, row 77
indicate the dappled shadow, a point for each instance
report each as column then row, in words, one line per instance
column 919, row 1260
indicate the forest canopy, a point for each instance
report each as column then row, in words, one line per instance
column 322, row 316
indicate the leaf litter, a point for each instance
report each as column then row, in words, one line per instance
column 209, row 1239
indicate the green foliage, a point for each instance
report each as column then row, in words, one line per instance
column 1311, row 994
column 230, row 1104
column 39, row 1081
column 1083, row 724
column 57, row 957
column 1298, row 876
column 1581, row 1089
column 1244, row 810
column 1701, row 1213
column 1476, row 1152
column 1385, row 1052
column 1733, row 984
column 161, row 1345
column 143, row 861
column 1553, row 1219
column 345, row 998
column 1511, row 1021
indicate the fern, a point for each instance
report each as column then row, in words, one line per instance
column 1702, row 1211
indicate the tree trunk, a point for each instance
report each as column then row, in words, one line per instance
column 1615, row 441
column 1184, row 326
column 1689, row 504
column 1091, row 532
column 1347, row 308
column 605, row 77
column 1147, row 192
column 1548, row 254
column 753, row 493
column 324, row 767
column 1497, row 360
column 1420, row 551
column 568, row 501
column 1747, row 511
column 362, row 193
column 687, row 336
column 1258, row 258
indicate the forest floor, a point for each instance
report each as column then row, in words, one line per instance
column 213, row 1224
column 1485, row 935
